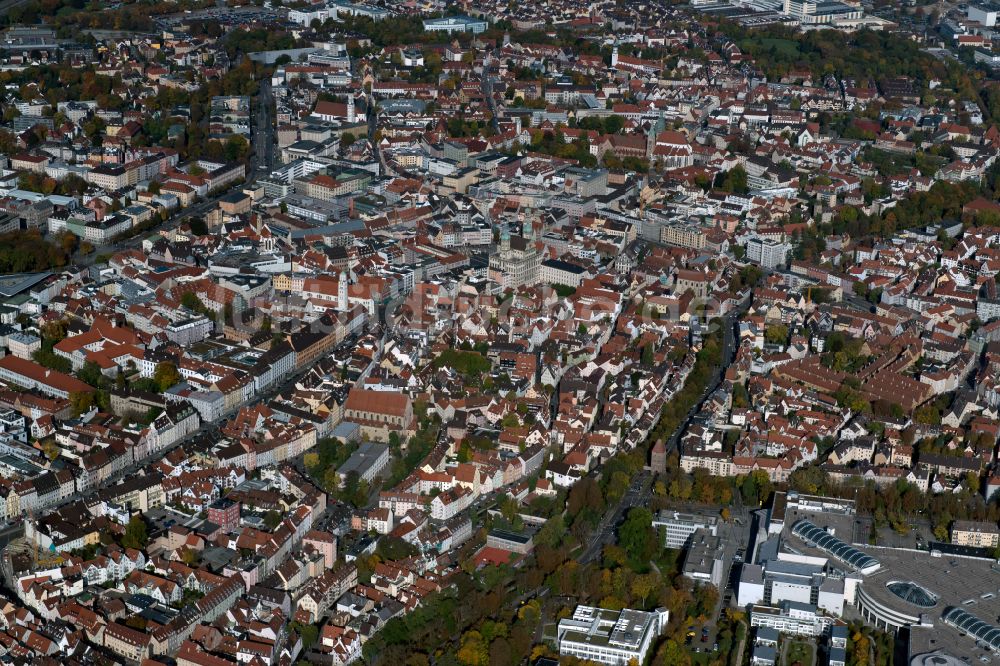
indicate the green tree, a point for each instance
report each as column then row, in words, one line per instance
column 198, row 228
column 135, row 534
column 191, row 301
column 51, row 360
column 776, row 334
column 672, row 654
column 272, row 519
column 637, row 536
column 308, row 632
column 643, row 585
column 735, row 181
column 91, row 374
column 50, row 448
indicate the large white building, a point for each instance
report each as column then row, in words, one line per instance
column 767, row 252
column 818, row 12
column 556, row 271
column 677, row 528
column 610, row 637
column 791, row 618
column 781, row 572
column 812, row 562
column 987, row 16
column 451, row 24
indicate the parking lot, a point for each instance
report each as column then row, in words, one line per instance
column 917, row 537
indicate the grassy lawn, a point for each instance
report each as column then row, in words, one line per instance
column 800, row 652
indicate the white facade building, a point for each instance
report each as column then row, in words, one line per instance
column 677, row 527
column 610, row 637
column 794, row 618
column 767, row 252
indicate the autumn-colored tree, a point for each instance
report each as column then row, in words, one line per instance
column 166, row 375
column 50, row 448
column 474, row 651
column 81, row 401
column 54, row 330
column 672, row 653
column 643, row 585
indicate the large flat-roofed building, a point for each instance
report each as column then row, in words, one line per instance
column 677, row 528
column 610, row 637
column 683, row 235
column 456, row 24
column 515, row 542
column 785, row 507
column 367, row 462
column 987, row 16
column 18, row 283
column 790, row 617
column 814, row 566
column 826, row 541
column 787, row 577
column 703, row 559
column 768, row 252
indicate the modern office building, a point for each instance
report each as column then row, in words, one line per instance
column 791, row 617
column 703, row 558
column 813, row 12
column 813, row 565
column 451, row 24
column 610, row 637
column 825, row 541
column 677, row 528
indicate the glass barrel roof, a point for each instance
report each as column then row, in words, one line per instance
column 825, row 541
column 973, row 626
